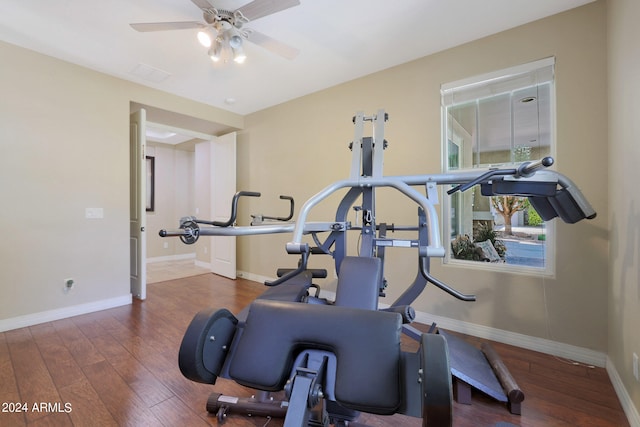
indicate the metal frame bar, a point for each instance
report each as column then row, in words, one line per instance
column 435, row 247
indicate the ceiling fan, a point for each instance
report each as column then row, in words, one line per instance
column 223, row 31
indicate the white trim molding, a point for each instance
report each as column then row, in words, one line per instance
column 253, row 277
column 554, row 348
column 63, row 313
column 623, row 395
column 166, row 258
column 203, row 264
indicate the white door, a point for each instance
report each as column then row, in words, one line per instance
column 138, row 204
column 223, row 187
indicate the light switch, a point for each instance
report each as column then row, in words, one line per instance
column 94, row 213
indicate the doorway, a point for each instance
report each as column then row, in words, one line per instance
column 187, row 182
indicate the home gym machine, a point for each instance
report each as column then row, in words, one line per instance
column 335, row 359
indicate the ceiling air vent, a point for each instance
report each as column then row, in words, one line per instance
column 150, row 73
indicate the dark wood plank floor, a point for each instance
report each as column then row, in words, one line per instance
column 119, row 367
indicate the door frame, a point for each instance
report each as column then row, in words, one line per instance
column 137, row 204
column 222, row 161
column 196, row 135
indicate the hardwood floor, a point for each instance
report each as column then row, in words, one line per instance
column 119, row 367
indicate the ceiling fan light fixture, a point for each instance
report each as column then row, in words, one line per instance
column 222, row 32
column 235, row 41
column 238, row 54
column 215, row 52
column 205, row 37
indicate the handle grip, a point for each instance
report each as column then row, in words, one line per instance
column 524, row 170
column 528, row 168
column 189, row 232
column 448, row 289
column 234, row 209
column 280, row 218
column 482, row 178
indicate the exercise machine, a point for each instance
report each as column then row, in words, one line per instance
column 335, row 359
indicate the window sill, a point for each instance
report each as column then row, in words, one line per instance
column 499, row 267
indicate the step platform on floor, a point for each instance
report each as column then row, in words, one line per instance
column 483, row 370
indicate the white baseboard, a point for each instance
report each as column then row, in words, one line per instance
column 623, row 396
column 178, row 257
column 542, row 345
column 203, row 264
column 62, row 313
column 253, row 277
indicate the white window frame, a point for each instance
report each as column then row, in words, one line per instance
column 476, row 88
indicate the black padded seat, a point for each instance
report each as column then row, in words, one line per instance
column 366, row 345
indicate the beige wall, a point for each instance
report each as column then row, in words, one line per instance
column 299, row 147
column 624, row 198
column 64, row 141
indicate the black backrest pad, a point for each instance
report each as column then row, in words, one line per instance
column 359, row 282
column 366, row 344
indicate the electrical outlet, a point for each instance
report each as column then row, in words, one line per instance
column 635, row 367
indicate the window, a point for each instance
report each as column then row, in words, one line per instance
column 499, row 119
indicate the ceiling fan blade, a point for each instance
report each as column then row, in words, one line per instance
column 203, row 4
column 272, row 45
column 165, row 26
column 259, row 8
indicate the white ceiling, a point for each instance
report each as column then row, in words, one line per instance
column 339, row 40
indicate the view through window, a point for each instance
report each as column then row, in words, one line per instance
column 499, row 119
